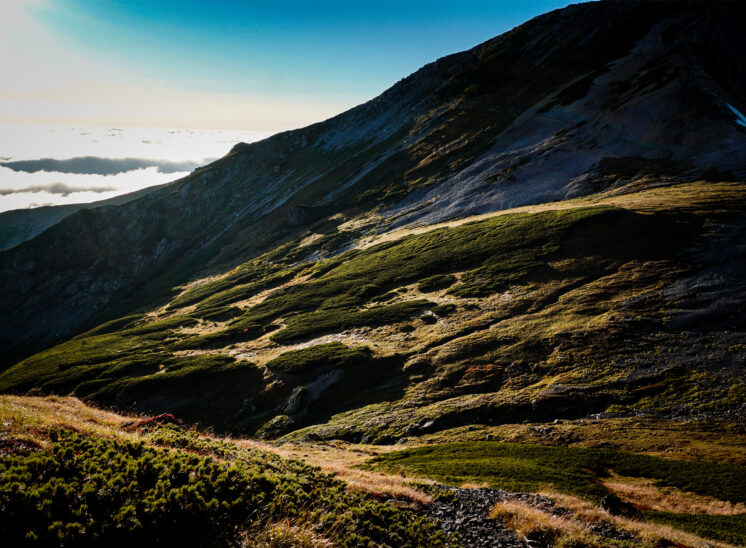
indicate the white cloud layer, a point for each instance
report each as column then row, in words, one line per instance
column 22, row 190
column 24, row 142
column 63, row 189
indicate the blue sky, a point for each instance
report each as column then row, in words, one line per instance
column 255, row 66
column 185, row 80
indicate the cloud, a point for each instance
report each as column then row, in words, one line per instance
column 63, row 189
column 100, row 166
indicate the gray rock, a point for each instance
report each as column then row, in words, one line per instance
column 297, row 401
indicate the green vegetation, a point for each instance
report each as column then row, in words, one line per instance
column 444, row 309
column 320, row 356
column 202, row 389
column 338, row 319
column 495, row 253
column 91, row 491
column 198, row 362
column 115, row 325
column 161, row 326
column 242, row 283
column 139, row 361
column 731, row 529
column 571, row 470
column 436, row 283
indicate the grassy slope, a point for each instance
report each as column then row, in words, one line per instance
column 535, row 314
column 70, row 476
column 576, row 471
column 169, row 483
column 520, row 467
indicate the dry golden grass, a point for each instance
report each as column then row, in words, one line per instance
column 650, row 533
column 535, row 524
column 25, row 417
column 644, row 493
column 311, row 238
column 469, row 485
column 342, row 460
column 283, row 534
column 573, row 530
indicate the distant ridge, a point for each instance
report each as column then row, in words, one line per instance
column 579, row 100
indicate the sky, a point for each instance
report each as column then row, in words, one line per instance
column 207, row 72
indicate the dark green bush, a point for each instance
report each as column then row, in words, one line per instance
column 436, row 283
column 88, row 491
column 444, row 309
column 329, row 355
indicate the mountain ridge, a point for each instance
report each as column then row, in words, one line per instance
column 19, row 225
column 392, row 160
column 502, row 304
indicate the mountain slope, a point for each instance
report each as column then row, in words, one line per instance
column 85, row 477
column 19, row 225
column 573, row 102
column 155, row 479
column 616, row 304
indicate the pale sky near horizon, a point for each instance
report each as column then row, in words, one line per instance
column 136, row 93
column 253, row 66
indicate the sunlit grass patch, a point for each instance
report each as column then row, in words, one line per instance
column 571, row 470
column 325, row 356
column 543, row 527
column 644, row 493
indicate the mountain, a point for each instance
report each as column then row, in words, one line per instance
column 19, row 225
column 522, row 267
column 286, row 278
column 573, row 102
column 305, row 275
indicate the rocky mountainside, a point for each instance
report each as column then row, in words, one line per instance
column 19, row 225
column 594, row 97
column 615, row 305
column 502, row 304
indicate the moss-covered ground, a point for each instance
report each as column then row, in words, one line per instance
column 575, row 471
column 546, row 313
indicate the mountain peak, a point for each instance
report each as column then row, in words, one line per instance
column 588, row 98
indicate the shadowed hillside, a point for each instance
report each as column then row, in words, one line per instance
column 616, row 305
column 504, row 303
column 576, row 101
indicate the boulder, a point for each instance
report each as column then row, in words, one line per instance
column 617, row 507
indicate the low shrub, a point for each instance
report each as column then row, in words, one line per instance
column 436, row 283
column 90, row 491
column 329, row 355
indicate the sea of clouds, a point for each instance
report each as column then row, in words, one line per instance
column 54, row 165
